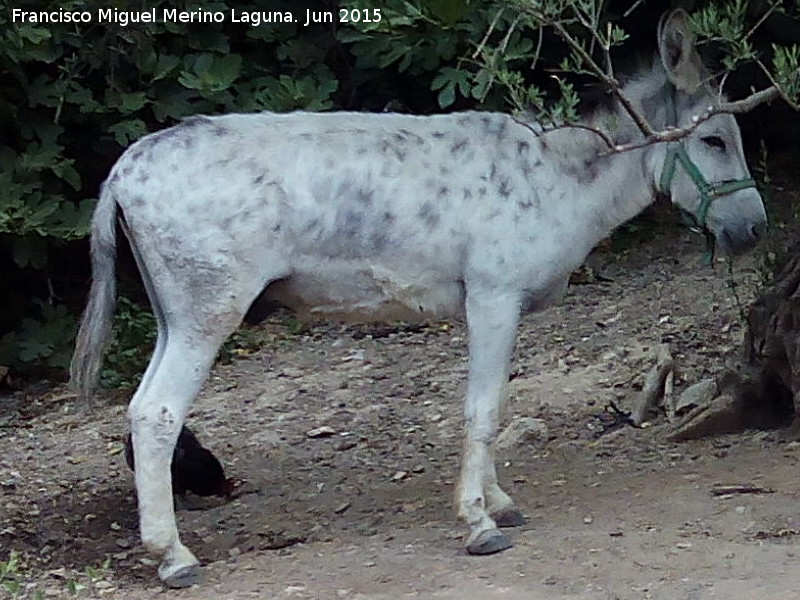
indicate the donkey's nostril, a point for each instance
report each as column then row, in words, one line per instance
column 759, row 230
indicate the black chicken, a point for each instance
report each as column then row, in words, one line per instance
column 194, row 468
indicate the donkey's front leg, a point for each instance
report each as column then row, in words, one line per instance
column 492, row 321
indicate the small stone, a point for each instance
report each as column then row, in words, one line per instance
column 123, row 543
column 588, row 520
column 341, row 508
column 345, row 444
column 698, row 395
column 291, row 373
column 321, row 432
column 294, row 590
column 399, row 475
column 356, row 355
column 524, row 430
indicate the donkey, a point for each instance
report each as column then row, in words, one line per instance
column 387, row 216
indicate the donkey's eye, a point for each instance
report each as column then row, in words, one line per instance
column 714, row 141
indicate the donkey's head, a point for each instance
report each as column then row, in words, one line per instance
column 705, row 173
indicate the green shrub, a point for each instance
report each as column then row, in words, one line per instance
column 73, row 96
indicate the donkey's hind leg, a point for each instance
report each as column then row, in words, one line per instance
column 189, row 336
column 157, row 413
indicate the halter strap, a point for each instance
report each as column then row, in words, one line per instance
column 676, row 154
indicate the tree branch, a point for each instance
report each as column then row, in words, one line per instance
column 598, row 71
column 606, row 76
column 673, row 134
column 670, row 134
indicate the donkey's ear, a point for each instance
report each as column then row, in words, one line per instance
column 678, row 54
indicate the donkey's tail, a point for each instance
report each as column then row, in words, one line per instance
column 96, row 322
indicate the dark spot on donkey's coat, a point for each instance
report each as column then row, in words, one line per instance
column 193, row 121
column 586, row 172
column 428, row 213
column 312, row 226
column 395, row 147
column 495, row 125
column 530, row 201
column 505, row 187
column 364, row 197
column 459, row 146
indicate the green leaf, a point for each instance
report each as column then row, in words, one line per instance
column 67, row 172
column 34, row 34
column 212, row 74
column 133, row 101
column 128, row 131
column 165, row 65
column 448, row 80
column 448, row 12
column 72, row 221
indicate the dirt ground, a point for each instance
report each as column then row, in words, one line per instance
column 365, row 512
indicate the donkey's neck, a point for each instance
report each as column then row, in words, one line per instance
column 608, row 189
column 613, row 187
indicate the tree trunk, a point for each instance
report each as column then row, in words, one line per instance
column 772, row 349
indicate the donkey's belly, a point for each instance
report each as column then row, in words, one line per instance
column 367, row 293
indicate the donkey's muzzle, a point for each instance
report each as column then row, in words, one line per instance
column 737, row 240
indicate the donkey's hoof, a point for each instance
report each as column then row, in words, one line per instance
column 184, row 577
column 489, row 542
column 508, row 517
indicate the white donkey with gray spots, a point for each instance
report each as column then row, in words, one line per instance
column 388, row 216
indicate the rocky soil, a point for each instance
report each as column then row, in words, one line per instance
column 345, row 441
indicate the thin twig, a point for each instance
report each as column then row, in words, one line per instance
column 763, row 18
column 598, row 132
column 538, row 50
column 775, row 85
column 507, row 38
column 485, row 39
column 632, row 8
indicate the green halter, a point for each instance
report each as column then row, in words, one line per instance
column 676, row 153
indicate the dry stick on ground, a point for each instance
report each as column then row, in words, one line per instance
column 655, row 384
